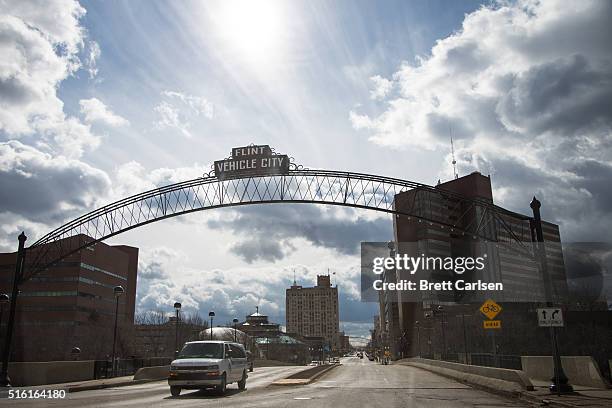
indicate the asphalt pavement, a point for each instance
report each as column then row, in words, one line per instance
column 356, row 383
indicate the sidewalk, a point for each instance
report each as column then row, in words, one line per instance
column 583, row 397
column 91, row 384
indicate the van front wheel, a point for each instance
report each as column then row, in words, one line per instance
column 221, row 388
column 175, row 391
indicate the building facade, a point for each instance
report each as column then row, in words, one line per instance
column 429, row 319
column 72, row 304
column 313, row 312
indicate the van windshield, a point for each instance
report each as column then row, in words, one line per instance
column 202, row 350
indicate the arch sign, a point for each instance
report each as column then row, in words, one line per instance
column 252, row 160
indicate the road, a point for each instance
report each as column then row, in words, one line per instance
column 356, row 383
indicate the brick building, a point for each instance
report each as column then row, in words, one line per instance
column 71, row 304
column 314, row 311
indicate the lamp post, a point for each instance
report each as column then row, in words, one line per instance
column 117, row 291
column 4, row 299
column 6, row 350
column 465, row 351
column 418, row 327
column 75, row 352
column 428, row 316
column 560, row 382
column 235, row 321
column 177, row 307
column 211, row 314
column 440, row 310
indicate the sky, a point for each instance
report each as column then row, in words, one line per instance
column 101, row 100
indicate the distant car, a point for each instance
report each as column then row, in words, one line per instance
column 206, row 364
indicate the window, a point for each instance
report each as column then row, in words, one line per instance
column 202, row 350
column 238, row 352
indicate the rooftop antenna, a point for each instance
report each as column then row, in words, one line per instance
column 294, row 282
column 453, row 154
column 257, row 309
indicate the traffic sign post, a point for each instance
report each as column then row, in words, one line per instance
column 491, row 309
column 550, row 317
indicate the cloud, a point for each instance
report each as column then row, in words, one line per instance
column 92, row 58
column 234, row 292
column 44, row 188
column 178, row 110
column 382, row 87
column 94, row 110
column 264, row 250
column 40, row 48
column 525, row 90
column 271, row 229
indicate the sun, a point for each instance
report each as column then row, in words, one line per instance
column 251, row 29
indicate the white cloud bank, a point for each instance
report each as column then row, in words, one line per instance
column 526, row 89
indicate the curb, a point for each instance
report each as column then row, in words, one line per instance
column 520, row 395
column 77, row 388
column 303, row 381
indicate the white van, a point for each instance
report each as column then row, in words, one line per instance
column 205, row 364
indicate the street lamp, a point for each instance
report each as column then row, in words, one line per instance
column 4, row 299
column 117, row 291
column 177, row 307
column 465, row 351
column 211, row 314
column 75, row 352
column 418, row 326
column 440, row 310
column 235, row 321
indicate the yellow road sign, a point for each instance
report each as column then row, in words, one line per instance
column 490, row 309
column 492, row 324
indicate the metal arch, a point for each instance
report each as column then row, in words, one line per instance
column 357, row 190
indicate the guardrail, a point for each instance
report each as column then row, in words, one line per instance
column 103, row 368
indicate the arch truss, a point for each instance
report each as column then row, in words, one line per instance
column 476, row 217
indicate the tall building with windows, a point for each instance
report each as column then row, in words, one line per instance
column 72, row 304
column 313, row 312
column 502, row 237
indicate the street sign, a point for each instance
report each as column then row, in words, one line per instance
column 550, row 317
column 492, row 324
column 490, row 309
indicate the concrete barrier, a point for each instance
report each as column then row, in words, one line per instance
column 50, row 372
column 270, row 363
column 306, row 376
column 500, row 379
column 581, row 370
column 152, row 373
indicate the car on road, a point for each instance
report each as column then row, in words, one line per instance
column 208, row 364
